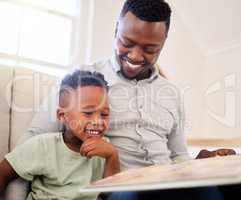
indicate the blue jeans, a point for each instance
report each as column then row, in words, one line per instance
column 123, row 196
column 204, row 193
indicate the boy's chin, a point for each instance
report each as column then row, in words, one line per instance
column 94, row 137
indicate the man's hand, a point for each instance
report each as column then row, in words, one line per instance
column 97, row 147
column 219, row 152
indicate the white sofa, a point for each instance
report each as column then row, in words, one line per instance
column 21, row 92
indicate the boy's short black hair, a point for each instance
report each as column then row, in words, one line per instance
column 148, row 10
column 82, row 78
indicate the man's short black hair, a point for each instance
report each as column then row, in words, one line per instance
column 148, row 10
column 82, row 78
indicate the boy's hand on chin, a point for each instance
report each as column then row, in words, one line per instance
column 97, row 147
column 219, row 152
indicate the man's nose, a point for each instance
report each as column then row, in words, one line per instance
column 136, row 55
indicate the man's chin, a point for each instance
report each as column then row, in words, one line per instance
column 129, row 75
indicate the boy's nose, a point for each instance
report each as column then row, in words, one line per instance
column 97, row 121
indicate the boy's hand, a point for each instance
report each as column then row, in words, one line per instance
column 97, row 147
column 219, row 152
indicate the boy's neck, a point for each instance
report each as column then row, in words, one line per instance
column 71, row 141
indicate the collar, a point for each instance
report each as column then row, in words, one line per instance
column 116, row 67
column 114, row 63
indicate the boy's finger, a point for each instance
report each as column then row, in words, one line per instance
column 91, row 154
column 84, row 150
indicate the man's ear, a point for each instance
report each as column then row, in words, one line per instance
column 116, row 28
column 61, row 115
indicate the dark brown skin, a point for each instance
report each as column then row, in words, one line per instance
column 7, row 174
column 219, row 152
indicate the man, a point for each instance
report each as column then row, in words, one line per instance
column 146, row 120
column 146, row 112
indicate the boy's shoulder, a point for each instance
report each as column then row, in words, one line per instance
column 44, row 138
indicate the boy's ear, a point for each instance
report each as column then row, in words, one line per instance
column 61, row 115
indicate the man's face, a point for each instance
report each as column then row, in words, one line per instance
column 138, row 45
column 87, row 113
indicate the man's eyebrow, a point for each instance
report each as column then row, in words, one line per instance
column 132, row 41
column 128, row 39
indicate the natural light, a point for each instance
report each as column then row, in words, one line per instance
column 37, row 32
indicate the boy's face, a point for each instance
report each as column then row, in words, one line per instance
column 86, row 112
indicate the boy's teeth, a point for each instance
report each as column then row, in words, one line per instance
column 133, row 66
column 93, row 132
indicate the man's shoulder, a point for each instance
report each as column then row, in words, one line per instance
column 160, row 80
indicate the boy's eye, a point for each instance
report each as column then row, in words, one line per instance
column 88, row 113
column 105, row 115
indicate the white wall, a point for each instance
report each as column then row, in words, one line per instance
column 183, row 61
column 106, row 13
column 222, row 113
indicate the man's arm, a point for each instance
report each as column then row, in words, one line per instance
column 219, row 152
column 177, row 142
column 7, row 174
column 112, row 164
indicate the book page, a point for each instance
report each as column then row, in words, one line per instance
column 193, row 173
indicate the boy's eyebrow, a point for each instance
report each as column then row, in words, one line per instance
column 94, row 107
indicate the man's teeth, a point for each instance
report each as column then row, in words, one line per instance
column 92, row 132
column 133, row 66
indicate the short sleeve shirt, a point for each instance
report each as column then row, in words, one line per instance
column 56, row 172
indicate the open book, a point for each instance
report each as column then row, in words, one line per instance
column 193, row 173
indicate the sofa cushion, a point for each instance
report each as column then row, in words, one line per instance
column 29, row 90
column 6, row 75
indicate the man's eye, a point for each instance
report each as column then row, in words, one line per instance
column 126, row 44
column 151, row 51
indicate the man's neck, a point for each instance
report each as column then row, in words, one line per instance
column 145, row 75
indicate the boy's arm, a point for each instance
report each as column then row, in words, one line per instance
column 7, row 174
column 112, row 164
column 99, row 147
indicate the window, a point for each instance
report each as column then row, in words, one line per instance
column 38, row 32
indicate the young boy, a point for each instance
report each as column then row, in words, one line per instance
column 58, row 164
